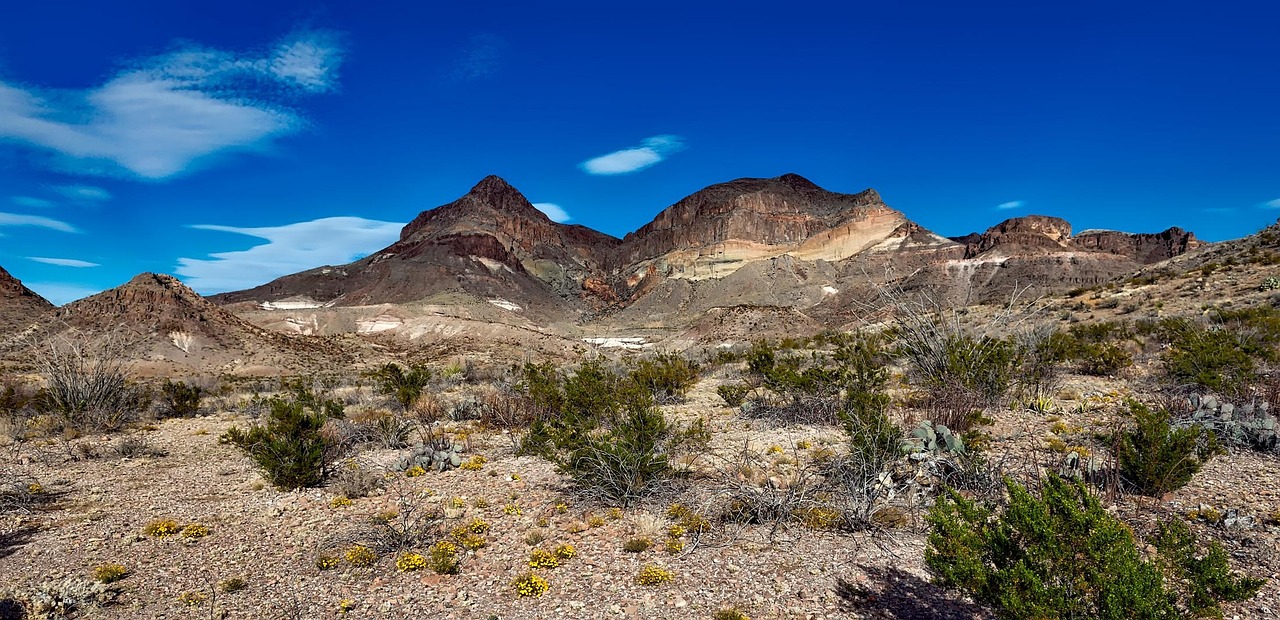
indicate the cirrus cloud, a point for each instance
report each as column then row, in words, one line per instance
column 651, row 151
column 35, row 221
column 1012, row 204
column 1272, row 204
column 63, row 262
column 289, row 249
column 162, row 115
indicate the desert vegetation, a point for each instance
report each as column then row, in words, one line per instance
column 1030, row 468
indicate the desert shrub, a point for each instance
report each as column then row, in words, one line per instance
column 161, row 528
column 624, row 463
column 1258, row 328
column 668, row 377
column 179, row 399
column 637, row 544
column 402, row 385
column 384, row 429
column 653, row 575
column 290, row 447
column 1156, row 457
column 1060, row 555
column 857, row 478
column 135, row 446
column 603, row 430
column 961, row 374
column 733, row 394
column 1103, row 359
column 1203, row 580
column 109, row 573
column 530, row 585
column 443, row 558
column 231, row 585
column 411, row 525
column 86, row 383
column 730, row 613
column 507, row 409
column 20, row 492
column 1213, row 359
column 354, row 480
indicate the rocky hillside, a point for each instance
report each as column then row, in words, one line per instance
column 168, row 324
column 20, row 307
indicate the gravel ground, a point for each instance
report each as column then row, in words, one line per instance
column 271, row 539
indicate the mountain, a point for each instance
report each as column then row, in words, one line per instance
column 491, row 245
column 20, row 307
column 166, row 323
column 759, row 253
column 718, row 230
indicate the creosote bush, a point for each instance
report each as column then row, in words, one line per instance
column 1156, row 457
column 1061, row 555
column 291, row 448
column 604, row 431
column 668, row 376
column 402, row 385
column 179, row 399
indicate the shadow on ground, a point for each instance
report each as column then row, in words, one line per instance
column 895, row 593
column 10, row 542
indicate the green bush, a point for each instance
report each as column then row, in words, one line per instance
column 625, row 463
column 1157, row 458
column 733, row 393
column 403, row 385
column 1214, row 359
column 180, row 400
column 668, row 376
column 603, row 430
column 1203, row 579
column 1061, row 555
column 290, row 448
column 1103, row 359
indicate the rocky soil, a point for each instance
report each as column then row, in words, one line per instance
column 271, row 539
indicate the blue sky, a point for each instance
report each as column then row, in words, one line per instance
column 233, row 142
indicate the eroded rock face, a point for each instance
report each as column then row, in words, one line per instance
column 1039, row 234
column 1029, row 234
column 1146, row 248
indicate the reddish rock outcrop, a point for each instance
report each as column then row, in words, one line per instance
column 19, row 305
column 1146, row 248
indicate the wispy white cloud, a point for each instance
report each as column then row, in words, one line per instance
column 1012, row 204
column 60, row 293
column 164, row 114
column 651, row 151
column 289, row 249
column 63, row 262
column 553, row 211
column 83, row 193
column 1272, row 204
column 18, row 219
column 480, row 58
column 31, row 202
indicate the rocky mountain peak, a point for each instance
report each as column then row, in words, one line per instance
column 11, row 290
